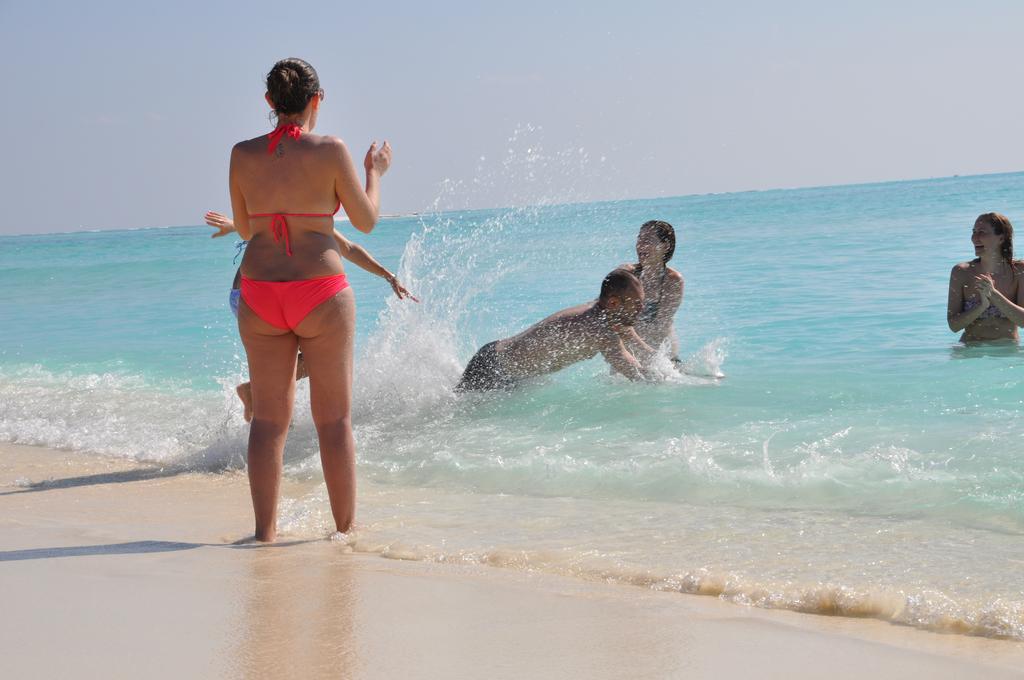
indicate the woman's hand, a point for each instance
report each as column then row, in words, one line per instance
column 986, row 288
column 399, row 289
column 378, row 160
column 222, row 223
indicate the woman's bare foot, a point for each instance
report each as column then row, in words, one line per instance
column 253, row 540
column 244, row 392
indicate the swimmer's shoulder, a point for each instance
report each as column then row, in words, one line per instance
column 962, row 268
column 573, row 314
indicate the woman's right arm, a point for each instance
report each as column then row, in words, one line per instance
column 955, row 316
column 239, row 212
column 362, row 204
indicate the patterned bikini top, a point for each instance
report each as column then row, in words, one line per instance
column 991, row 312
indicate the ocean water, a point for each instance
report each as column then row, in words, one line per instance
column 830, row 449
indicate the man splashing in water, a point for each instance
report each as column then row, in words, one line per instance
column 566, row 337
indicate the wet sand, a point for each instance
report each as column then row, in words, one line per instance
column 113, row 569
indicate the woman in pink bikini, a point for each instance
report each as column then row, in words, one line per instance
column 285, row 189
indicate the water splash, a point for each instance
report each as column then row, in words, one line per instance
column 122, row 415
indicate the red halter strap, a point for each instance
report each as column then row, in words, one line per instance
column 290, row 129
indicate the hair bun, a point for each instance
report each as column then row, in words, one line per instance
column 291, row 83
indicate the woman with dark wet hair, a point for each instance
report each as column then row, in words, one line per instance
column 663, row 286
column 285, row 189
column 986, row 294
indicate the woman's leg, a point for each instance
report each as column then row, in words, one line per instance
column 244, row 391
column 271, row 352
column 326, row 338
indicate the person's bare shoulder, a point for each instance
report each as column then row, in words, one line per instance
column 328, row 143
column 962, row 269
column 242, row 156
column 331, row 148
column 567, row 314
column 673, row 276
column 576, row 321
column 251, row 146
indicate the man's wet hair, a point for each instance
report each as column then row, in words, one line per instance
column 619, row 282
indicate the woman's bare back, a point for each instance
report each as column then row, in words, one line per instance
column 298, row 177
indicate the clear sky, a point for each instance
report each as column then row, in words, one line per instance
column 122, row 114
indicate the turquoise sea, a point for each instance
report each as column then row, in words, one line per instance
column 831, row 449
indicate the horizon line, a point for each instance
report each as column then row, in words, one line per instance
column 82, row 230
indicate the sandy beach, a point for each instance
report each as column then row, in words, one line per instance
column 113, row 569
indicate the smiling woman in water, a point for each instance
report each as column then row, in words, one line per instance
column 663, row 286
column 986, row 294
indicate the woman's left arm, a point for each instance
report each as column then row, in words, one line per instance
column 1011, row 309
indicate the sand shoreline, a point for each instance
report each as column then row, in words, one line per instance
column 111, row 568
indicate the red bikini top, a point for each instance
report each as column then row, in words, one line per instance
column 278, row 221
